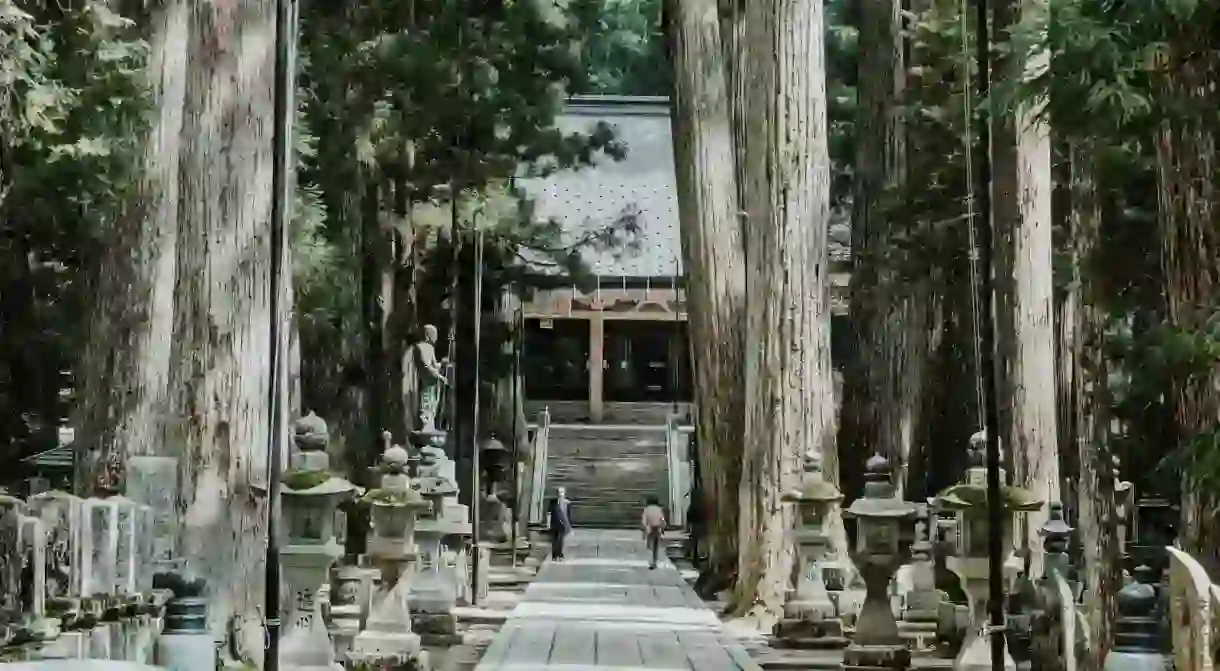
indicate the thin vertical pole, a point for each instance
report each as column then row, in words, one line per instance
column 517, row 332
column 285, row 38
column 476, row 485
column 986, row 336
column 455, row 240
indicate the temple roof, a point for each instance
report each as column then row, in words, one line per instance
column 644, row 183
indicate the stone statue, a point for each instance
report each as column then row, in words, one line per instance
column 431, row 378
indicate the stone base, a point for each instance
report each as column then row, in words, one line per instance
column 440, row 641
column 976, row 656
column 445, row 623
column 793, row 629
column 920, row 636
column 384, row 645
column 872, row 657
column 505, row 549
column 417, row 661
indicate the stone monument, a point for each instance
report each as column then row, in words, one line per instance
column 810, row 613
column 969, row 500
column 12, row 509
column 153, row 481
column 921, row 603
column 1136, row 633
column 311, row 497
column 388, row 640
column 185, row 644
column 879, row 514
column 351, row 590
column 60, row 513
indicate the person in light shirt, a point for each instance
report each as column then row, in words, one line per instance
column 653, row 522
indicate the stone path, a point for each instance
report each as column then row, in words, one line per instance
column 603, row 609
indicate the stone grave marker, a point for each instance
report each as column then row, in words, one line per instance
column 99, row 547
column 153, row 481
column 60, row 513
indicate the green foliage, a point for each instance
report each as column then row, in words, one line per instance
column 933, row 200
column 622, row 47
column 72, row 114
column 1105, row 93
column 841, row 67
column 1145, row 362
column 419, row 98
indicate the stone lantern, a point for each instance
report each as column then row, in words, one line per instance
column 495, row 458
column 311, row 496
column 434, row 591
column 1054, row 622
column 969, row 501
column 1056, row 536
column 879, row 516
column 387, row 639
column 815, row 501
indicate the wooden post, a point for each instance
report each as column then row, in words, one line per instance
column 597, row 365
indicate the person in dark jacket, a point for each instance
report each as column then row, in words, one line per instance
column 560, row 525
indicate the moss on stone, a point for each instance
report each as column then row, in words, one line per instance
column 389, row 497
column 297, row 480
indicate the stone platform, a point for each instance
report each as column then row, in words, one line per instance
column 602, row 608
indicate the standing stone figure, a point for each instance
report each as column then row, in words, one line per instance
column 431, row 378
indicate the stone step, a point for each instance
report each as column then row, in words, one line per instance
column 606, row 432
column 604, row 448
column 608, row 471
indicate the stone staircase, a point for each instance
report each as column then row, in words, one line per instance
column 609, row 471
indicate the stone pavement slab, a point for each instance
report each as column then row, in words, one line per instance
column 602, row 609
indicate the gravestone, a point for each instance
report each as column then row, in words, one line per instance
column 60, row 513
column 99, row 547
column 153, row 481
column 11, row 557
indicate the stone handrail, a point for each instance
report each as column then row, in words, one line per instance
column 1190, row 612
column 538, row 467
column 1068, row 619
column 678, row 467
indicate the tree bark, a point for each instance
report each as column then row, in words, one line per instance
column 789, row 382
column 714, row 256
column 1025, row 331
column 222, row 310
column 1096, row 520
column 889, row 312
column 508, row 409
column 1190, row 254
column 125, row 367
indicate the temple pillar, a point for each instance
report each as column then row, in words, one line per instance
column 597, row 365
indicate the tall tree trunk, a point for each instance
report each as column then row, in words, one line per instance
column 125, row 367
column 789, row 382
column 508, row 409
column 401, row 318
column 1025, row 287
column 714, row 255
column 887, row 313
column 1096, row 500
column 1067, row 340
column 222, row 309
column 1186, row 168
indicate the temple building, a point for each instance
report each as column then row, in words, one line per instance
column 617, row 353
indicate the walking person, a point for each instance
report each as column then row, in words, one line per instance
column 566, row 503
column 559, row 525
column 653, row 521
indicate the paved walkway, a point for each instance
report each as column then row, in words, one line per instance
column 603, row 609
